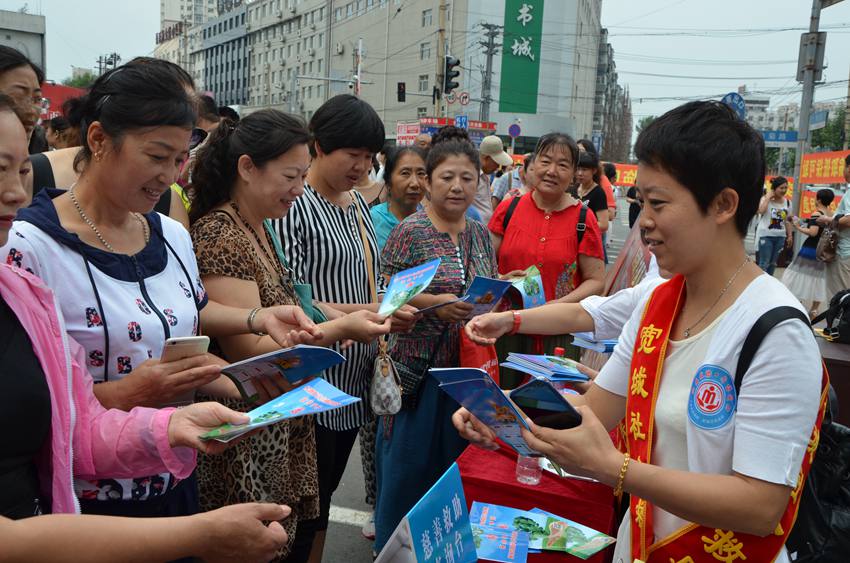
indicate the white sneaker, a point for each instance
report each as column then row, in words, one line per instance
column 368, row 529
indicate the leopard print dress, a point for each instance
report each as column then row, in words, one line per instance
column 279, row 464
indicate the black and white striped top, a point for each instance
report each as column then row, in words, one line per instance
column 323, row 246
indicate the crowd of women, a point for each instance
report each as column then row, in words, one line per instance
column 282, row 249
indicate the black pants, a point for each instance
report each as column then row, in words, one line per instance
column 332, row 450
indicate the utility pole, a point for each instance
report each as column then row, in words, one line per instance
column 442, row 51
column 358, row 68
column 810, row 66
column 491, row 31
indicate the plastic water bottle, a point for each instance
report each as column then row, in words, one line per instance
column 528, row 470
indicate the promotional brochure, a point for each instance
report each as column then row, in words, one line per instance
column 547, row 367
column 436, row 529
column 478, row 393
column 311, row 398
column 585, row 340
column 547, row 532
column 483, row 293
column 529, row 289
column 406, row 285
column 294, row 364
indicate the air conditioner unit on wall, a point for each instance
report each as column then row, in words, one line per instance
column 340, row 48
column 311, row 52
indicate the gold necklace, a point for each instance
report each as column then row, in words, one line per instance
column 716, row 301
column 94, row 228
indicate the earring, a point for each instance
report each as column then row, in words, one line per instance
column 97, row 156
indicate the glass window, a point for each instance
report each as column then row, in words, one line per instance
column 421, row 112
column 425, row 51
column 423, row 82
column 427, row 17
column 349, row 10
column 319, row 67
column 321, row 39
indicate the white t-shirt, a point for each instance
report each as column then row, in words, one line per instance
column 766, row 433
column 772, row 222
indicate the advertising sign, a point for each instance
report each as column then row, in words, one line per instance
column 521, row 56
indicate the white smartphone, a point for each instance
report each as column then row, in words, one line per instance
column 181, row 347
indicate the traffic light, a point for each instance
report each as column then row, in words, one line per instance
column 401, row 93
column 450, row 74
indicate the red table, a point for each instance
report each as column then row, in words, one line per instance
column 490, row 477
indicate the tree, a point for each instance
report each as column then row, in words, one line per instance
column 644, row 122
column 84, row 80
column 831, row 137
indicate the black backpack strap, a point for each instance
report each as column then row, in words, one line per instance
column 760, row 329
column 581, row 226
column 42, row 173
column 163, row 206
column 509, row 213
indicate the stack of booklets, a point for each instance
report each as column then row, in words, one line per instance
column 553, row 368
column 585, row 340
column 508, row 534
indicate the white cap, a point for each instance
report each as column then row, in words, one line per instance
column 492, row 146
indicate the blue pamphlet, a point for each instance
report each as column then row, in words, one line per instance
column 485, row 294
column 406, row 285
column 436, row 528
column 545, row 531
column 478, row 393
column 529, row 288
column 585, row 340
column 498, row 544
column 294, row 364
column 311, row 398
column 553, row 368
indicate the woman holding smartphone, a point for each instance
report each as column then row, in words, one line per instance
column 711, row 468
column 126, row 278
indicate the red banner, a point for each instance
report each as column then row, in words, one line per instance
column 626, row 174
column 807, row 203
column 823, row 167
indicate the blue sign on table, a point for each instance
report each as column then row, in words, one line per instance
column 736, row 102
column 462, row 121
column 436, row 529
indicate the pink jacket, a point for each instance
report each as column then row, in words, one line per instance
column 86, row 440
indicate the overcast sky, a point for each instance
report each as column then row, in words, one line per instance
column 660, row 37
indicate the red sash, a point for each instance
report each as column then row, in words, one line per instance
column 692, row 543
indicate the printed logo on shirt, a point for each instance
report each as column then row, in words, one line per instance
column 713, row 399
column 124, row 365
column 96, row 359
column 143, row 307
column 135, row 331
column 169, row 316
column 93, row 317
column 185, row 289
column 15, row 257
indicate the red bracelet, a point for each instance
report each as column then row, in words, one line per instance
column 517, row 322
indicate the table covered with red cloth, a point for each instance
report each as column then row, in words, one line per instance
column 490, row 476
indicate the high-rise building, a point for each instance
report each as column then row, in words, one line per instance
column 543, row 67
column 222, row 60
column 189, row 12
column 24, row 32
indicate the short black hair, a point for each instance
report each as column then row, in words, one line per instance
column 557, row 140
column 706, row 148
column 825, row 196
column 847, row 160
column 176, row 71
column 438, row 153
column 610, row 171
column 587, row 145
column 58, row 123
column 134, row 96
column 11, row 59
column 346, row 122
column 394, row 155
column 450, row 133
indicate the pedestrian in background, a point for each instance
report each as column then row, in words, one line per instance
column 773, row 232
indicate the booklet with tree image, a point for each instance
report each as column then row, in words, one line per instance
column 311, row 398
column 406, row 285
column 528, row 289
column 295, row 364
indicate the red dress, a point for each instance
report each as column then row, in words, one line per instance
column 546, row 240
